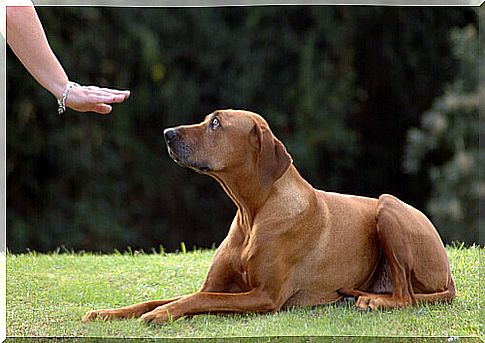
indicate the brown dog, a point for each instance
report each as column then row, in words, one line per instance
column 290, row 244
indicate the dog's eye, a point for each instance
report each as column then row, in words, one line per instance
column 215, row 123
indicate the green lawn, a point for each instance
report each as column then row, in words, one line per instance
column 47, row 294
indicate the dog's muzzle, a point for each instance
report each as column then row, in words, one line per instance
column 170, row 135
column 180, row 152
column 176, row 150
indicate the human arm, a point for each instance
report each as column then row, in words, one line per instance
column 27, row 39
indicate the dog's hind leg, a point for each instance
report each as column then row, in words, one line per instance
column 416, row 256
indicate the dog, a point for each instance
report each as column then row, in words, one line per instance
column 290, row 244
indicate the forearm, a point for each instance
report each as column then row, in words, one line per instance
column 27, row 40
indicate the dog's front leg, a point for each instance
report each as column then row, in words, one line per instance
column 255, row 300
column 132, row 311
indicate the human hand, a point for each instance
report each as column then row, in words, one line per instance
column 94, row 99
column 28, row 41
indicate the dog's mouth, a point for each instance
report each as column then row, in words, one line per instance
column 183, row 161
column 175, row 158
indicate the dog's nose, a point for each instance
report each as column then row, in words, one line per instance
column 169, row 135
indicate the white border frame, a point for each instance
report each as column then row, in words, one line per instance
column 155, row 3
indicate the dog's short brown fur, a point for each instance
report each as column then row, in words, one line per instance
column 290, row 244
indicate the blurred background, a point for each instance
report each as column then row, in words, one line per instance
column 368, row 100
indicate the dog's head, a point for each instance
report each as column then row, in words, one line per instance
column 229, row 142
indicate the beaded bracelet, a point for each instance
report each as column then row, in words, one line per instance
column 62, row 101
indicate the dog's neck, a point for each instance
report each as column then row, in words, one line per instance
column 245, row 192
column 250, row 197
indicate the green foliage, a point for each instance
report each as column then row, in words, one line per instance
column 339, row 85
column 85, row 282
column 446, row 146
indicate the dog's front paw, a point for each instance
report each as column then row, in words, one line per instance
column 157, row 317
column 99, row 314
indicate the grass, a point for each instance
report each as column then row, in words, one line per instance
column 47, row 294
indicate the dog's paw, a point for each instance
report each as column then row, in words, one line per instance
column 156, row 317
column 379, row 302
column 363, row 302
column 99, row 314
column 388, row 303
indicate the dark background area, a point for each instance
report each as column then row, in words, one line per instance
column 357, row 94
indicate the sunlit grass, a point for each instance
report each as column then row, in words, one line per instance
column 47, row 294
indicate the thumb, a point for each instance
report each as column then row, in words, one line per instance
column 102, row 108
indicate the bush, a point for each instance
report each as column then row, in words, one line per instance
column 446, row 146
column 339, row 85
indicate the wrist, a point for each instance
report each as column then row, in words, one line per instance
column 57, row 88
column 61, row 101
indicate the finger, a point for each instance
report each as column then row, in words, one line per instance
column 121, row 95
column 116, row 91
column 118, row 98
column 102, row 108
column 105, row 89
column 104, row 99
column 108, row 91
column 101, row 96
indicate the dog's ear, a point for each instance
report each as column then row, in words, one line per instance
column 273, row 160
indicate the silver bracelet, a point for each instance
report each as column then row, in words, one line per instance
column 62, row 101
